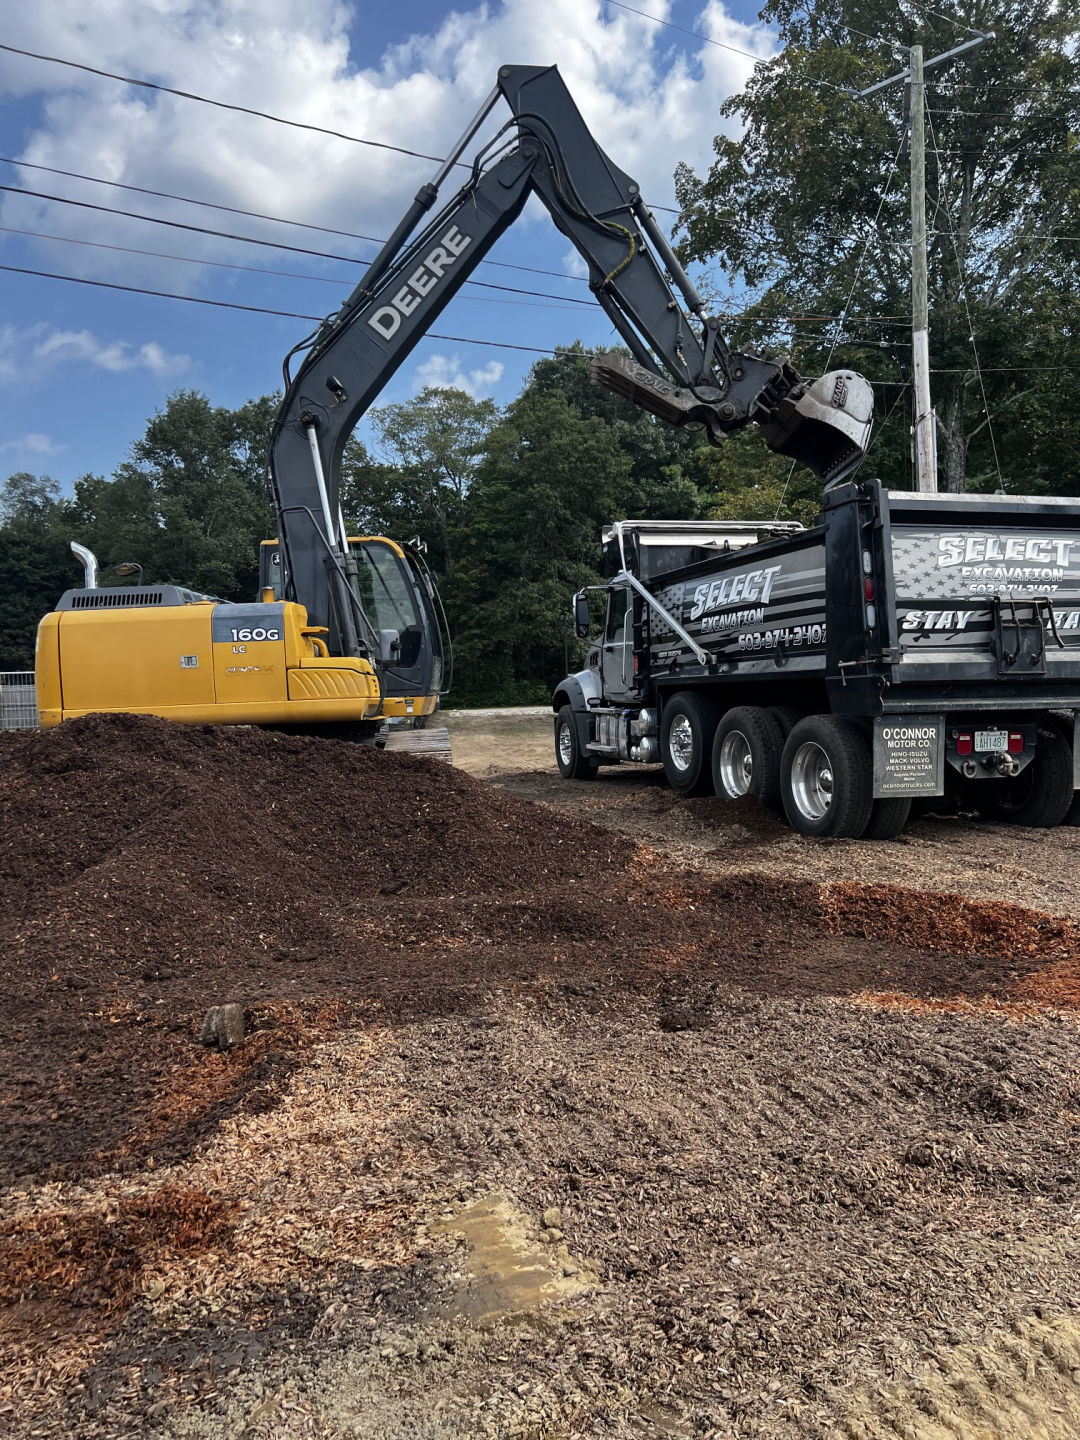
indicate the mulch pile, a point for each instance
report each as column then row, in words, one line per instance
column 149, row 871
column 949, row 924
column 653, row 1051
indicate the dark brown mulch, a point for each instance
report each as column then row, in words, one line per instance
column 148, row 871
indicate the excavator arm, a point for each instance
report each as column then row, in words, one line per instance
column 682, row 369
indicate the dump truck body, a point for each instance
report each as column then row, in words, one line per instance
column 942, row 630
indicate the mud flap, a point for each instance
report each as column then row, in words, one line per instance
column 909, row 756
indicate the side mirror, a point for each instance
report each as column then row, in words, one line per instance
column 389, row 647
column 581, row 615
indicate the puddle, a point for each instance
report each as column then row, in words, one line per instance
column 508, row 1269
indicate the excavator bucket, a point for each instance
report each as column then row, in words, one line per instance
column 824, row 425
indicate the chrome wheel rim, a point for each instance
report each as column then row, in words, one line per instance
column 566, row 745
column 681, row 743
column 812, row 781
column 736, row 764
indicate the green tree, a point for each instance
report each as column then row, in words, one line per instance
column 36, row 565
column 429, row 450
column 191, row 503
column 551, row 477
column 803, row 208
column 665, row 463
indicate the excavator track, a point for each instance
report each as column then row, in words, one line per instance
column 433, row 742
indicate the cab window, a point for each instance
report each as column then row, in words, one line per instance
column 387, row 596
column 615, row 629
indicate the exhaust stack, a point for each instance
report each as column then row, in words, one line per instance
column 89, row 563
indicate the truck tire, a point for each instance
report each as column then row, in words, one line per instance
column 888, row 818
column 787, row 717
column 827, row 778
column 1040, row 796
column 686, row 737
column 573, row 765
column 746, row 756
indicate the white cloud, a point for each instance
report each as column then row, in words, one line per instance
column 36, row 351
column 444, row 372
column 33, row 443
column 649, row 103
column 116, row 356
column 574, row 265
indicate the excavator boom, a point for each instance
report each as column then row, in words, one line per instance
column 680, row 367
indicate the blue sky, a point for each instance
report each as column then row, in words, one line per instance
column 82, row 368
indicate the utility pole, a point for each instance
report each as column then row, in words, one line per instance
column 925, row 426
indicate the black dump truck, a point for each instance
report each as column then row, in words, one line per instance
column 905, row 645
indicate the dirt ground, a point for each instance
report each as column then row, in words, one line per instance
column 564, row 1109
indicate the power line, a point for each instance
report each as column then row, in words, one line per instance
column 1072, row 154
column 270, row 244
column 299, row 315
column 254, row 309
column 260, row 114
column 305, row 250
column 482, row 299
column 998, row 85
column 993, row 114
column 256, row 214
column 226, row 105
column 1024, row 235
column 720, row 45
column 252, row 269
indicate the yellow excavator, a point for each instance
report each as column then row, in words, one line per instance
column 349, row 633
column 165, row 650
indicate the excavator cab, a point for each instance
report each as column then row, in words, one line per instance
column 401, row 603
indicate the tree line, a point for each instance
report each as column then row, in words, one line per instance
column 509, row 502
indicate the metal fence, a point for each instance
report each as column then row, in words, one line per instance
column 18, row 700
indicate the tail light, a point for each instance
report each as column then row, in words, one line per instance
column 1016, row 742
column 965, row 744
column 868, row 588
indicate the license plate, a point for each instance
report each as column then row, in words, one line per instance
column 987, row 740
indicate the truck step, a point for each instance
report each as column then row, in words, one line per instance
column 433, row 742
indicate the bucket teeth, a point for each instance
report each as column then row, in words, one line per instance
column 672, row 403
